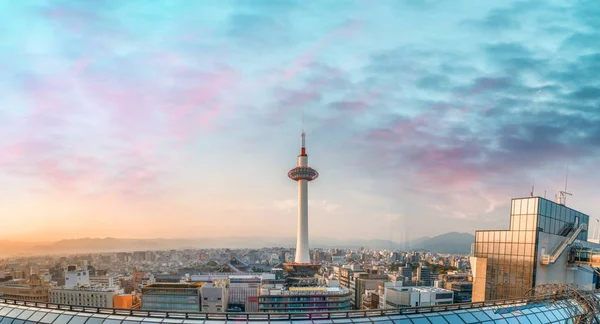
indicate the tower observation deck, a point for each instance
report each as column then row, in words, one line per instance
column 302, row 173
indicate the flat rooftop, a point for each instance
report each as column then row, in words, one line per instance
column 420, row 289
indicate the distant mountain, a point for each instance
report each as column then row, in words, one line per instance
column 13, row 248
column 446, row 243
column 453, row 242
column 109, row 244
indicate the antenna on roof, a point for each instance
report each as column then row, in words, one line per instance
column 563, row 194
column 532, row 187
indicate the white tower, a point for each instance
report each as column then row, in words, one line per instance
column 302, row 174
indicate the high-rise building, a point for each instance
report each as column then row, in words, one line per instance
column 536, row 249
column 424, row 276
column 407, row 273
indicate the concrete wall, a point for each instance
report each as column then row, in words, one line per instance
column 214, row 299
column 560, row 271
column 479, row 268
column 77, row 278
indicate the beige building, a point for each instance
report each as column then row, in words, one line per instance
column 34, row 289
column 215, row 296
column 84, row 296
column 104, row 281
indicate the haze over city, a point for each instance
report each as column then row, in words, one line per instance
column 172, row 119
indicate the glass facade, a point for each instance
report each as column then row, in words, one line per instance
column 512, row 255
column 172, row 297
column 562, row 311
column 555, row 218
column 304, row 303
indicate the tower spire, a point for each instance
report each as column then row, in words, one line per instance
column 303, row 150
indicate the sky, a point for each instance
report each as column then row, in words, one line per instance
column 181, row 119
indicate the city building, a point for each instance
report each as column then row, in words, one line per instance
column 463, row 291
column 370, row 300
column 84, row 296
column 243, row 288
column 243, row 293
column 536, row 249
column 397, row 297
column 182, row 297
column 4, row 277
column 127, row 301
column 57, row 274
column 407, row 273
column 277, row 298
column 138, row 276
column 362, row 283
column 345, row 274
column 104, row 281
column 424, row 276
column 76, row 277
column 34, row 289
column 235, row 265
column 215, row 296
column 382, row 291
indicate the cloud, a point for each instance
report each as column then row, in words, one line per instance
column 443, row 123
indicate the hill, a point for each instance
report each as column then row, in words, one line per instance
column 453, row 242
column 446, row 243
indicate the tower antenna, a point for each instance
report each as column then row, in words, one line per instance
column 563, row 194
column 302, row 120
column 566, row 178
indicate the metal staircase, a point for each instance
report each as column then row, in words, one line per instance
column 571, row 234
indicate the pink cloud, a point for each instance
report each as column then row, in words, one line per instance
column 142, row 112
column 438, row 161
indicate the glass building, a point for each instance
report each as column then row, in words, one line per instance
column 183, row 297
column 506, row 263
column 305, row 299
column 524, row 311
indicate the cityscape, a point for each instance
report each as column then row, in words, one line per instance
column 273, row 161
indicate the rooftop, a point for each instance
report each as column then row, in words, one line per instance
column 175, row 285
column 529, row 310
column 420, row 289
column 88, row 288
column 307, row 290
